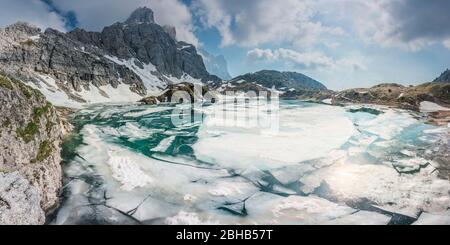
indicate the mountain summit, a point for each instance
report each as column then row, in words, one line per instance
column 141, row 15
column 444, row 77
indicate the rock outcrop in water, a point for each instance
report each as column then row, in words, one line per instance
column 180, row 93
column 30, row 137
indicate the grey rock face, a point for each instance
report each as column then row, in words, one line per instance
column 281, row 80
column 149, row 43
column 171, row 31
column 19, row 201
column 444, row 77
column 216, row 65
column 25, row 50
column 141, row 15
column 30, row 137
column 78, row 60
column 171, row 96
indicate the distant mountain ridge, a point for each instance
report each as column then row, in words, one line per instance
column 216, row 65
column 281, row 80
column 444, row 77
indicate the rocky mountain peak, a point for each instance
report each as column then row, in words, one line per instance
column 149, row 44
column 23, row 28
column 141, row 15
column 444, row 77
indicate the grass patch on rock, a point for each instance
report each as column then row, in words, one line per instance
column 28, row 133
column 5, row 82
column 45, row 150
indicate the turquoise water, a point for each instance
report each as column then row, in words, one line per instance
column 301, row 164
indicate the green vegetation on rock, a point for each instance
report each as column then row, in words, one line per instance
column 5, row 82
column 45, row 150
column 10, row 82
column 40, row 111
column 6, row 123
column 28, row 133
column 28, row 42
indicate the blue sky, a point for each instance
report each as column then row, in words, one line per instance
column 342, row 43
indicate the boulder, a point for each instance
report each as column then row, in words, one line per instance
column 19, row 201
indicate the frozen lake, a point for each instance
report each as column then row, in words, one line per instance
column 301, row 164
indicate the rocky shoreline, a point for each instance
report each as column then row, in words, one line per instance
column 31, row 133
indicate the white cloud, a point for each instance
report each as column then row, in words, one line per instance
column 254, row 22
column 32, row 11
column 305, row 60
column 407, row 24
column 447, row 43
column 96, row 14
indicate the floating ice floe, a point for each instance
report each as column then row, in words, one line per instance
column 305, row 134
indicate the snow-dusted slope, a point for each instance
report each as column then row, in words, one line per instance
column 123, row 63
column 92, row 95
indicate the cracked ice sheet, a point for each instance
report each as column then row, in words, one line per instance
column 434, row 219
column 403, row 194
column 145, row 112
column 186, row 194
column 129, row 178
column 130, row 130
column 266, row 208
column 310, row 210
column 389, row 124
column 305, row 133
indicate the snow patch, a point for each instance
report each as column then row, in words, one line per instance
column 427, row 106
column 104, row 94
column 147, row 74
column 127, row 172
column 327, row 101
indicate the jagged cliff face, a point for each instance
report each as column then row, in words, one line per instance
column 63, row 69
column 139, row 37
column 124, row 62
column 30, row 137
